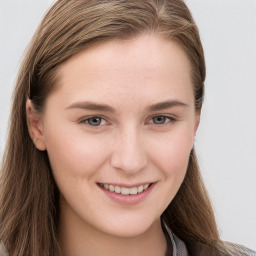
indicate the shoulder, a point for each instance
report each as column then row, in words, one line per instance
column 3, row 250
column 220, row 249
column 239, row 250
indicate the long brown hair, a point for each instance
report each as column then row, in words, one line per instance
column 28, row 194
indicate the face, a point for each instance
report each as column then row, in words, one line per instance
column 122, row 119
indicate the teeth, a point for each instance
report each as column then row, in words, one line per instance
column 124, row 190
column 111, row 188
column 145, row 186
column 140, row 188
column 117, row 189
column 133, row 191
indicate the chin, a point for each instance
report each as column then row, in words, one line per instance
column 129, row 228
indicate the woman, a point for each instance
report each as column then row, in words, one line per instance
column 100, row 157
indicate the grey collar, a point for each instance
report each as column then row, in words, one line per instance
column 178, row 247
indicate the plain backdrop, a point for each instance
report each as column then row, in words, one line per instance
column 226, row 139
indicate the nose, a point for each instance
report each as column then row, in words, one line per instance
column 129, row 154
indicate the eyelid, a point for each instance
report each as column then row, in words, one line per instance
column 171, row 118
column 84, row 120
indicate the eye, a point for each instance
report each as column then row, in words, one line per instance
column 162, row 120
column 95, row 121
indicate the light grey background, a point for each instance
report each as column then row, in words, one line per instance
column 226, row 139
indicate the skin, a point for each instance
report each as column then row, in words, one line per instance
column 127, row 147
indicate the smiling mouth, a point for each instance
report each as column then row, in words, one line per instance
column 125, row 190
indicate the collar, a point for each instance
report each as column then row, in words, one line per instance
column 3, row 250
column 175, row 246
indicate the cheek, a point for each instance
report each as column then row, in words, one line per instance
column 171, row 158
column 172, row 152
column 179, row 152
column 73, row 153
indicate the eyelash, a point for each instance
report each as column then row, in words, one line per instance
column 86, row 121
column 167, row 119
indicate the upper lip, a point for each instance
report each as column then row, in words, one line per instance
column 126, row 185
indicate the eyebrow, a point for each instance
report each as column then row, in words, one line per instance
column 91, row 106
column 87, row 105
column 166, row 104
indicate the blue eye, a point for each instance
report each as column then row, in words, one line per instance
column 95, row 121
column 161, row 119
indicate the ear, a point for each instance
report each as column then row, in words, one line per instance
column 35, row 126
column 197, row 122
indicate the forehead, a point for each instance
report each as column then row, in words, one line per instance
column 144, row 65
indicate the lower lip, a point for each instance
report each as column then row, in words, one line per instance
column 128, row 199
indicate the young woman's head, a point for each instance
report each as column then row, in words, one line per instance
column 108, row 98
column 123, row 115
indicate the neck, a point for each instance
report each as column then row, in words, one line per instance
column 79, row 239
